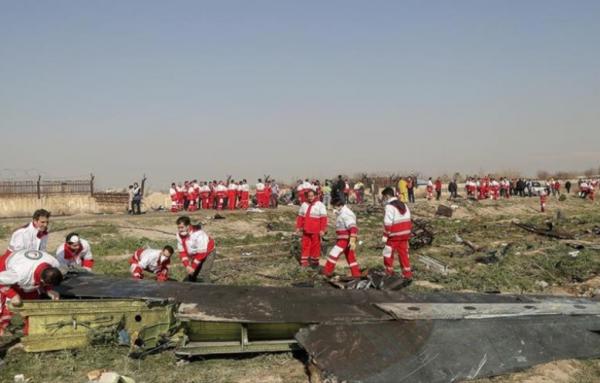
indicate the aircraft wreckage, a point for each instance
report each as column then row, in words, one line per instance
column 350, row 335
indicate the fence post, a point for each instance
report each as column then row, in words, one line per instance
column 39, row 191
column 92, row 184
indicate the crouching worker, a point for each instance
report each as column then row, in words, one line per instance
column 76, row 251
column 346, row 231
column 152, row 260
column 24, row 275
column 194, row 246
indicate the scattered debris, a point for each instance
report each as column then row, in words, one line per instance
column 494, row 256
column 444, row 211
column 422, row 234
column 373, row 279
column 434, row 265
column 580, row 245
column 218, row 216
column 467, row 243
column 548, row 232
column 20, row 378
column 254, row 210
column 574, row 254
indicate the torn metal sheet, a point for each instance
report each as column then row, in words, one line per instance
column 414, row 311
column 442, row 351
column 259, row 304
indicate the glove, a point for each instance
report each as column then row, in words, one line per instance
column 384, row 239
column 353, row 243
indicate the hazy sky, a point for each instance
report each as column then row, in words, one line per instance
column 195, row 89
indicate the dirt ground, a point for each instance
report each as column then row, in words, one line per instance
column 254, row 248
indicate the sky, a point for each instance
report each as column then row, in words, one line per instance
column 195, row 89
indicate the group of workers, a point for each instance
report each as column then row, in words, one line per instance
column 220, row 195
column 28, row 271
column 311, row 224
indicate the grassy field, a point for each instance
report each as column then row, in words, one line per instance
column 254, row 247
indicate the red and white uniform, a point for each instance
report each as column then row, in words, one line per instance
column 260, row 194
column 82, row 257
column 312, row 219
column 192, row 197
column 397, row 231
column 505, row 185
column 21, row 273
column 495, row 188
column 232, row 191
column 244, row 196
column 221, row 192
column 543, row 199
column 174, row 200
column 181, row 191
column 205, row 197
column 194, row 248
column 345, row 228
column 150, row 260
column 429, row 189
column 28, row 237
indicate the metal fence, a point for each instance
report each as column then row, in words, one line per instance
column 41, row 187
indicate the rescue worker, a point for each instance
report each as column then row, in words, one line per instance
column 33, row 236
column 312, row 224
column 429, row 189
column 244, row 195
column 232, row 190
column 543, row 199
column 205, row 196
column 174, row 198
column 397, row 231
column 346, row 231
column 192, row 197
column 26, row 274
column 221, row 191
column 494, row 189
column 154, row 261
column 194, row 247
column 76, row 251
column 260, row 193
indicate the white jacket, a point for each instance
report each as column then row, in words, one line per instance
column 26, row 238
column 21, row 269
column 79, row 260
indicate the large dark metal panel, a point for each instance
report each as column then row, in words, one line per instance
column 447, row 350
column 268, row 304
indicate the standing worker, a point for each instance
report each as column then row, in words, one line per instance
column 346, row 231
column 397, row 231
column 312, row 224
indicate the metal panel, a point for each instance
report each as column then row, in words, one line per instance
column 447, row 350
column 413, row 311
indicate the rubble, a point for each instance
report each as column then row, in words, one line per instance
column 550, row 231
column 444, row 211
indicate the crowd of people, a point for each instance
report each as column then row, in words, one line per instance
column 221, row 195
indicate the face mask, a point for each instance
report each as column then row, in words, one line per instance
column 162, row 259
column 183, row 233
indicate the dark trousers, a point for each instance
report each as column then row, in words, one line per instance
column 411, row 195
column 136, row 205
